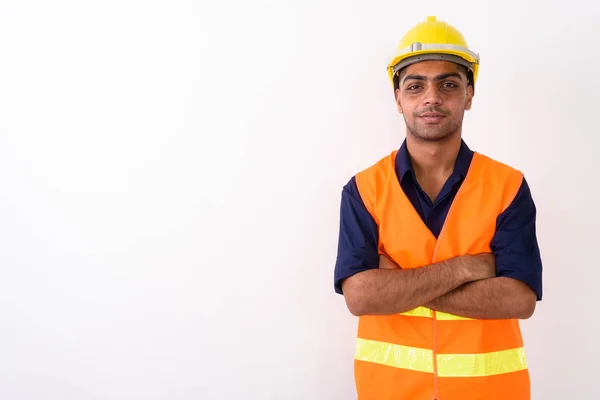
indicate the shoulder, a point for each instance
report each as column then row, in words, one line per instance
column 490, row 164
column 493, row 173
column 367, row 176
column 377, row 172
column 366, row 184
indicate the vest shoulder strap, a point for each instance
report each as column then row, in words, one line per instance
column 376, row 180
column 497, row 173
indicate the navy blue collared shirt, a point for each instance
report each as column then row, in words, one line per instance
column 514, row 243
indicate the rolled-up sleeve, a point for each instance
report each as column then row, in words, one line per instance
column 515, row 243
column 358, row 237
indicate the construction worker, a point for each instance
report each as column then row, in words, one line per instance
column 437, row 253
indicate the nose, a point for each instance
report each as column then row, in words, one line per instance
column 432, row 96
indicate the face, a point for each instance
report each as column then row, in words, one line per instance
column 433, row 97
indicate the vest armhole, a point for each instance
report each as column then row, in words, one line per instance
column 512, row 178
column 372, row 180
column 515, row 180
column 366, row 192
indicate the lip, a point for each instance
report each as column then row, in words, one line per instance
column 431, row 118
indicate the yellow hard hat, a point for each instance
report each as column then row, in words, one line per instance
column 433, row 40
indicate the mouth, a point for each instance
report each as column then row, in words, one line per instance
column 432, row 118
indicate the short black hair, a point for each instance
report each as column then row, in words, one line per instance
column 400, row 74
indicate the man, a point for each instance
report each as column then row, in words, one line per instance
column 438, row 255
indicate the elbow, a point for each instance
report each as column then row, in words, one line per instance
column 528, row 312
column 528, row 307
column 355, row 301
column 356, row 308
column 355, row 304
column 523, row 301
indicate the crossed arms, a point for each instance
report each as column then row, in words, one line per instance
column 466, row 286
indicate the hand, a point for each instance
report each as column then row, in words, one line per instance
column 482, row 266
column 386, row 263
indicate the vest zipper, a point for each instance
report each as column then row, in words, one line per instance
column 436, row 394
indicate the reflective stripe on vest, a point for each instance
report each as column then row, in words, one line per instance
column 420, row 353
column 426, row 312
column 448, row 365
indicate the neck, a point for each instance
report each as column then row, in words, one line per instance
column 433, row 157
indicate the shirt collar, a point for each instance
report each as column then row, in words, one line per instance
column 461, row 165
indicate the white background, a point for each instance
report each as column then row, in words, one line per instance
column 170, row 176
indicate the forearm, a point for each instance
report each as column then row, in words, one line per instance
column 391, row 291
column 495, row 298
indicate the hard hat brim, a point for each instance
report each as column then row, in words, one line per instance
column 418, row 52
column 431, row 57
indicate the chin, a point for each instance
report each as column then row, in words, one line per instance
column 431, row 136
column 435, row 133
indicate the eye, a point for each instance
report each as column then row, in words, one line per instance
column 450, row 85
column 413, row 87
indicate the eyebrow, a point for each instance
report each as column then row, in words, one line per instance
column 437, row 78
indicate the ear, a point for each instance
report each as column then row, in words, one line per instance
column 398, row 104
column 470, row 94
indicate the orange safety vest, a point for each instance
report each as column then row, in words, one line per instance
column 422, row 354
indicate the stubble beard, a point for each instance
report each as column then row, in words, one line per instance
column 433, row 133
